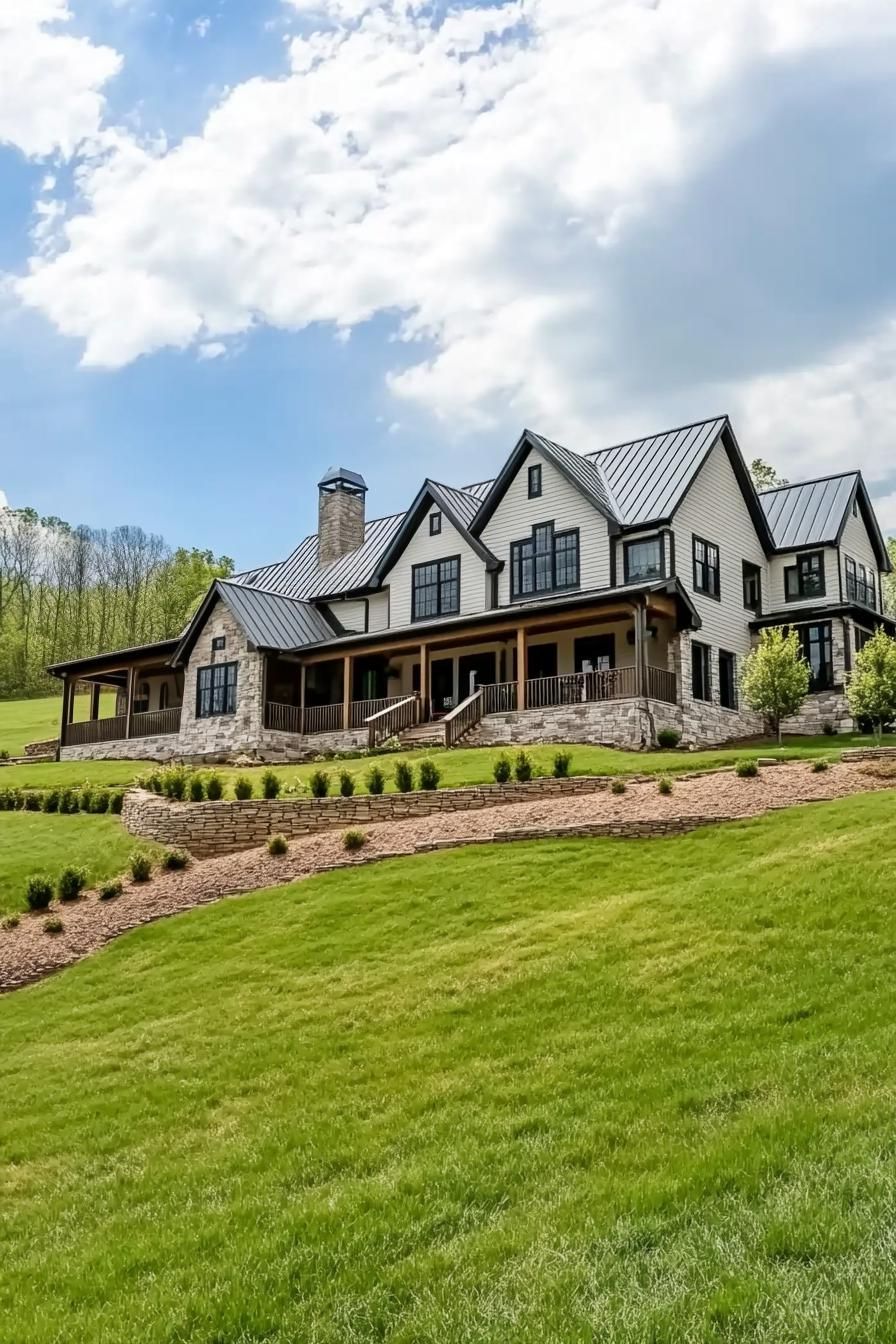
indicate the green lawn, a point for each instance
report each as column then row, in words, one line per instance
column 35, row 842
column 634, row 1092
column 23, row 721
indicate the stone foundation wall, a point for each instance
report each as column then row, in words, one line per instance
column 166, row 748
column 621, row 723
column 45, row 748
column 826, row 706
column 273, row 746
column 225, row 734
column 207, row 829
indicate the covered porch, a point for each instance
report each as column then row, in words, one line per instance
column 148, row 696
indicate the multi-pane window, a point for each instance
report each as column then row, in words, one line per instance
column 805, row 578
column 727, row 680
column 436, row 588
column 218, row 643
column 643, row 559
column 701, row 676
column 816, row 646
column 535, row 481
column 216, row 690
column 545, row 562
column 752, row 586
column 706, row 567
column 435, row 524
column 862, row 638
column 860, row 584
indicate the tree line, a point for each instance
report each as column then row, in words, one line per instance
column 68, row 592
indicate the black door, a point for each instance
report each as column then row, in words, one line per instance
column 542, row 661
column 597, row 650
column 441, row 680
column 369, row 680
column 482, row 664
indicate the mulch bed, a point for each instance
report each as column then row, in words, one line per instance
column 28, row 953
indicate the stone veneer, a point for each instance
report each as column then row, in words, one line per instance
column 46, row 748
column 624, row 723
column 225, row 734
column 166, row 748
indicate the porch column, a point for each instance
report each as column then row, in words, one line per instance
column 67, row 698
column 522, row 658
column 95, row 700
column 347, row 691
column 640, row 679
column 302, row 676
column 132, row 681
column 424, row 683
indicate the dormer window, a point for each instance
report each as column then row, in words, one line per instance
column 435, row 524
column 535, row 481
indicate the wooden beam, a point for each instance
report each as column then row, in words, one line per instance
column 302, row 677
column 347, row 691
column 132, row 681
column 425, row 688
column 521, row 666
column 639, row 620
column 95, row 701
column 66, row 709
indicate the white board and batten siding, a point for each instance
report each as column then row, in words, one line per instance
column 559, row 503
column 423, row 549
column 715, row 510
column 777, row 598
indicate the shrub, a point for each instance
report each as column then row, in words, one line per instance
column 562, row 761
column 376, row 780
column 53, row 925
column 68, row 801
column 72, row 882
column 175, row 780
column 214, row 787
column 32, row 802
column 100, row 801
column 829, row 728
column 140, row 865
column 430, row 774
column 4, row 753
column 277, row 845
column 819, row 766
column 346, row 783
column 11, row 922
column 353, row 840
column 668, row 738
column 664, row 784
column 319, row 784
column 404, row 776
column 175, row 859
column 51, row 800
column 10, row 800
column 153, row 781
column 270, row 785
column 197, row 789
column 746, row 769
column 522, row 768
column 109, row 890
column 85, row 798
column 242, row 787
column 38, row 893
column 618, row 786
column 502, row 769
column 116, row 801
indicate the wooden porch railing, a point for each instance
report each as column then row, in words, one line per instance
column 462, row 718
column 499, row 697
column 282, row 718
column 614, row 683
column 155, row 722
column 392, row 720
column 362, row 710
column 322, row 718
column 95, row 730
column 662, row 685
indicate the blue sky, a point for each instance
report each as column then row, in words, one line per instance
column 241, row 242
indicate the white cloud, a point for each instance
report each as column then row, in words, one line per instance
column 50, row 81
column 199, row 27
column 212, row 350
column 478, row 179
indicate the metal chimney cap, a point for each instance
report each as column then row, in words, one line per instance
column 334, row 476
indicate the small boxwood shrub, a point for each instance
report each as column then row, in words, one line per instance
column 68, row 801
column 51, row 800
column 618, row 786
column 32, row 802
column 116, row 800
column 819, row 766
column 85, row 798
column 664, row 784
column 746, row 769
column 242, row 787
column 562, row 762
column 100, row 801
column 502, row 769
column 38, row 892
column 109, row 890
column 214, row 787
column 668, row 738
column 430, row 774
column 53, row 925
column 404, row 776
column 175, row 859
column 140, row 865
column 319, row 784
column 346, row 783
column 270, row 785
column 197, row 788
column 153, row 781
column 10, row 800
column 277, row 845
column 376, row 780
column 522, row 767
column 354, row 840
column 71, row 883
column 175, row 780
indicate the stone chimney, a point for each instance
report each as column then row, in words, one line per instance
column 340, row 526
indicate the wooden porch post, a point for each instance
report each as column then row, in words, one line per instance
column 95, row 700
column 424, row 683
column 132, row 679
column 640, row 679
column 347, row 691
column 66, row 710
column 302, row 676
column 521, row 668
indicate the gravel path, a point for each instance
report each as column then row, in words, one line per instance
column 28, row 953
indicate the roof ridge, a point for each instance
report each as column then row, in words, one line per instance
column 663, row 433
column 813, row 480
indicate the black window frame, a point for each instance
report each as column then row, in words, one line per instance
column 441, row 585
column 435, row 524
column 704, row 569
column 218, row 697
column 533, row 481
column 801, row 570
column 704, row 653
column 861, row 585
column 728, row 682
column 751, row 572
column 219, row 643
column 633, row 576
column 538, row 561
column 823, row 681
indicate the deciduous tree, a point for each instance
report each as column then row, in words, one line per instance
column 775, row 679
column 871, row 690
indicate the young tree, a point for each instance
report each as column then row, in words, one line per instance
column 764, row 476
column 775, row 679
column 871, row 690
column 889, row 580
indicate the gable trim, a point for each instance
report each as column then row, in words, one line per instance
column 872, row 527
column 527, row 443
column 430, row 491
column 727, row 438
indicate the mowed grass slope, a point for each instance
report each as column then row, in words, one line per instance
column 549, row 1093
column 23, row 721
column 35, row 842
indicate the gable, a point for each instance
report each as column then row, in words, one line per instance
column 420, row 547
column 580, row 474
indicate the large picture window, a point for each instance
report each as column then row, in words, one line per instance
column 216, row 690
column 816, row 646
column 546, row 562
column 805, row 578
column 706, row 567
column 643, row 559
column 436, row 588
column 860, row 584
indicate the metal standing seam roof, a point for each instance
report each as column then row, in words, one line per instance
column 810, row 514
column 273, row 621
column 647, row 477
column 583, row 470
